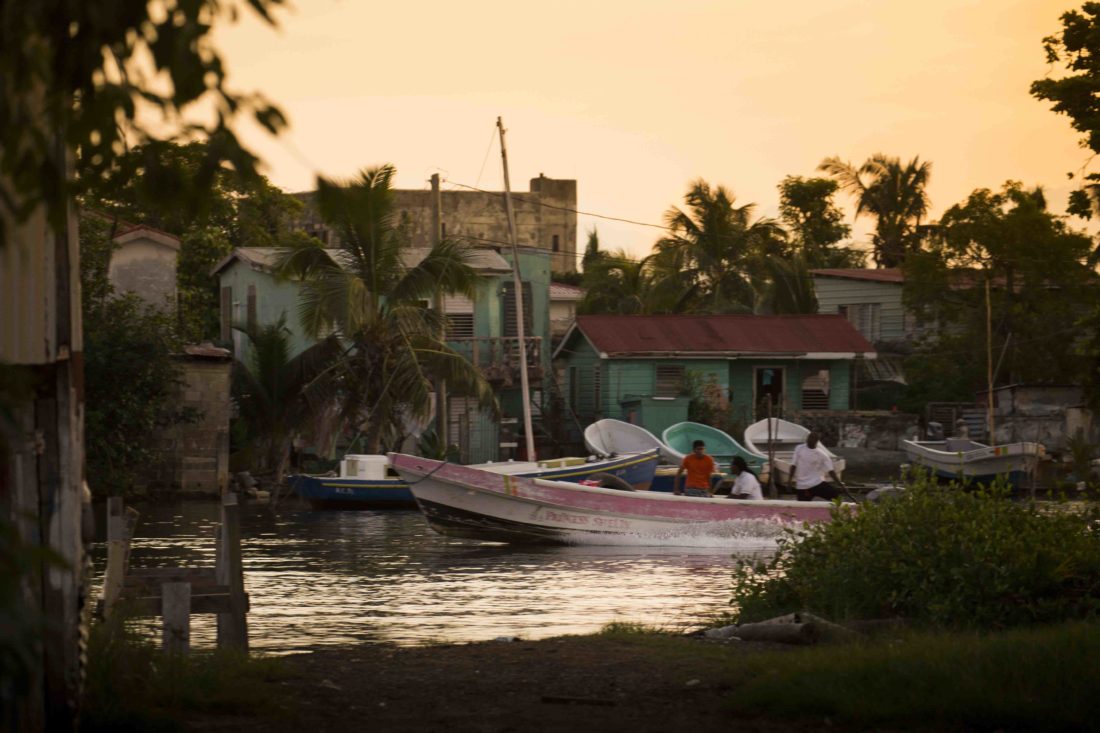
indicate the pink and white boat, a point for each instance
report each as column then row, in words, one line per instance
column 463, row 501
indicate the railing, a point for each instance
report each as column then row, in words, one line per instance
column 498, row 357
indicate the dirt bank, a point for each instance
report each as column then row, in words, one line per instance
column 605, row 683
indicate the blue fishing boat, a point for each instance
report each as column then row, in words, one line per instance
column 368, row 482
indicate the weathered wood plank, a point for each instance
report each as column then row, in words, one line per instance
column 170, row 572
column 233, row 626
column 176, row 611
column 200, row 603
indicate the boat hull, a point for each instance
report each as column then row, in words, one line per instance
column 720, row 446
column 340, row 492
column 609, row 437
column 982, row 464
column 466, row 502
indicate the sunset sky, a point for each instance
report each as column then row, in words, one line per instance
column 636, row 99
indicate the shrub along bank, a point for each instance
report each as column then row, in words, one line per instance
column 939, row 557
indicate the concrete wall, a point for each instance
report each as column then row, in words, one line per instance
column 194, row 457
column 874, row 430
column 547, row 211
column 147, row 268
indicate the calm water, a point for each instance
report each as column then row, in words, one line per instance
column 330, row 578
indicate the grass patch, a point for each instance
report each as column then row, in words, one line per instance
column 134, row 686
column 1034, row 679
column 626, row 628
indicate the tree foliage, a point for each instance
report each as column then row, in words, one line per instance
column 280, row 396
column 1035, row 266
column 815, row 223
column 618, row 284
column 893, row 194
column 150, row 184
column 938, row 557
column 366, row 293
column 79, row 76
column 1076, row 50
column 722, row 245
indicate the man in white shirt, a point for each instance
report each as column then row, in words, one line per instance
column 808, row 470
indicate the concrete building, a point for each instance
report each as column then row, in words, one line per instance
column 144, row 263
column 546, row 218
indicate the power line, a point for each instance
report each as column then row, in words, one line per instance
column 563, row 208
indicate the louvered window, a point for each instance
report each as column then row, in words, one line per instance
column 508, row 304
column 670, row 381
column 460, row 316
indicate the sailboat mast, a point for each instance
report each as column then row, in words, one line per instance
column 517, row 291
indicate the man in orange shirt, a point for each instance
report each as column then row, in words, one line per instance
column 699, row 467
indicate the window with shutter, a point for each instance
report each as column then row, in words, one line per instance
column 252, row 306
column 227, row 314
column 508, row 305
column 596, row 389
column 669, row 381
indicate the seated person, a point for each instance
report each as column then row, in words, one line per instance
column 745, row 485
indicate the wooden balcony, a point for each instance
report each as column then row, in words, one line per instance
column 498, row 358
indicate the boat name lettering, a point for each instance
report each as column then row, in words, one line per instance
column 610, row 523
column 563, row 517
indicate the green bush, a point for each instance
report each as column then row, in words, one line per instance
column 937, row 556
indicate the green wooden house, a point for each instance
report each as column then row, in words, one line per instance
column 647, row 369
column 482, row 328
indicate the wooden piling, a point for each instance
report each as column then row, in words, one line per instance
column 176, row 611
column 232, row 626
column 121, row 521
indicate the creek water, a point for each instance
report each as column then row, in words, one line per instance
column 326, row 578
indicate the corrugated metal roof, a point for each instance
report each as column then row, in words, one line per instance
column 726, row 335
column 885, row 275
column 563, row 291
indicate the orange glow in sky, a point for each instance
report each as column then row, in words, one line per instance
column 636, row 99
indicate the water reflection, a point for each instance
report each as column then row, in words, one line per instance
column 331, row 578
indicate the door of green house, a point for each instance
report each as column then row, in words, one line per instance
column 768, row 381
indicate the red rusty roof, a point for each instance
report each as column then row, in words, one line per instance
column 725, row 335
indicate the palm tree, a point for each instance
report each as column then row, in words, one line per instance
column 894, row 194
column 722, row 244
column 272, row 390
column 616, row 283
column 789, row 288
column 371, row 295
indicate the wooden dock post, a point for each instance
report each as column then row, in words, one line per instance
column 229, row 569
column 176, row 610
column 121, row 521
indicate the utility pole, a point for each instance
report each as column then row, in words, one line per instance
column 518, row 292
column 441, row 412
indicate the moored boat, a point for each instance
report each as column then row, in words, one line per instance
column 720, row 446
column 960, row 458
column 368, row 481
column 784, row 437
column 609, row 437
column 464, row 501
